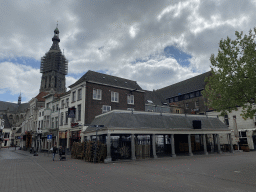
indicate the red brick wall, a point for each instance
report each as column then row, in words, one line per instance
column 191, row 105
column 94, row 107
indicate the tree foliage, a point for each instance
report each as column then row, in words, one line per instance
column 233, row 80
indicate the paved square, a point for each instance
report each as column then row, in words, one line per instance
column 21, row 171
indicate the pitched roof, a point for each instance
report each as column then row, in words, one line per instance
column 187, row 86
column 148, row 120
column 40, row 96
column 6, row 122
column 22, row 107
column 13, row 107
column 7, row 105
column 101, row 78
column 151, row 97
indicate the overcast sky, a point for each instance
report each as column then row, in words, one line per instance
column 156, row 43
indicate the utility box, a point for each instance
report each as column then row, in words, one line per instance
column 197, row 124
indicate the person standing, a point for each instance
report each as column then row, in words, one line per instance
column 54, row 151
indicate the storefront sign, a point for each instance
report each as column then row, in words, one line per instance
column 74, row 125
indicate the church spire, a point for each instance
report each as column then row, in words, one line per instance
column 56, row 39
column 19, row 99
column 54, row 67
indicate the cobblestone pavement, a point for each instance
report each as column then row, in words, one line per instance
column 20, row 171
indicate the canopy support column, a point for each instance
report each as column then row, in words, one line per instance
column 172, row 144
column 205, row 146
column 189, row 146
column 218, row 142
column 154, row 145
column 133, row 147
column 108, row 158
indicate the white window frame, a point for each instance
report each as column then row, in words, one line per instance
column 130, row 99
column 106, row 108
column 97, row 94
column 79, row 94
column 73, row 96
column 66, row 117
column 67, row 102
column 57, row 122
column 114, row 96
column 53, row 123
column 79, row 113
column 61, row 118
column 196, row 103
column 62, row 104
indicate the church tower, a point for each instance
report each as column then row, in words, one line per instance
column 54, row 67
column 19, row 99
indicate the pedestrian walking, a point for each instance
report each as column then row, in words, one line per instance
column 54, row 151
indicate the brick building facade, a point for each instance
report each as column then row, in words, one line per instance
column 104, row 104
column 186, row 95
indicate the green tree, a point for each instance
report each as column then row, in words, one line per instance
column 233, row 80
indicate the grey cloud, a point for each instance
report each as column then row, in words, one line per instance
column 85, row 26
